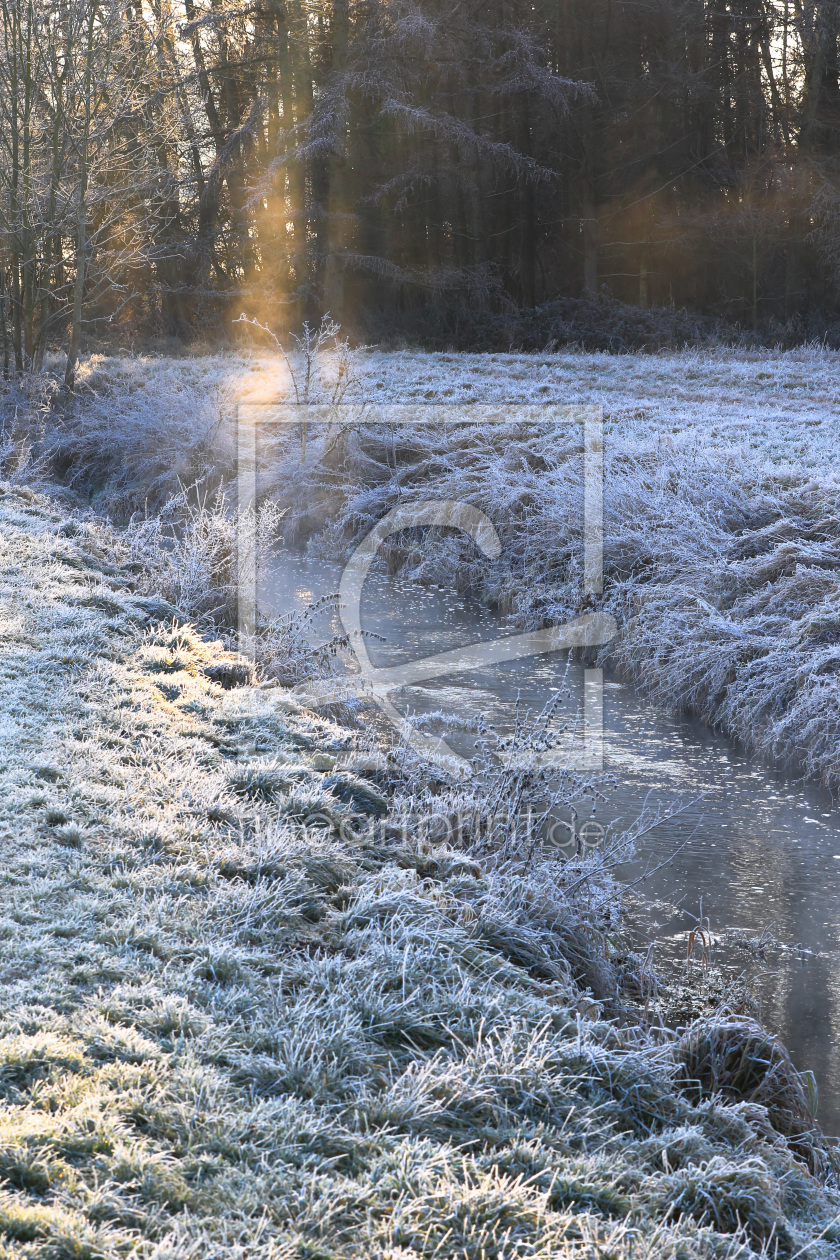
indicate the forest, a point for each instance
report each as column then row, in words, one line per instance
column 413, row 167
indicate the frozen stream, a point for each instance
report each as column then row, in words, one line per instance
column 760, row 850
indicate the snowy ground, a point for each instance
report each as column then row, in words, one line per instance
column 226, row 1033
column 782, row 404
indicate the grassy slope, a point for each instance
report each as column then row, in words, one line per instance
column 223, row 1035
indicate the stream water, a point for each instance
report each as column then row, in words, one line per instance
column 761, row 851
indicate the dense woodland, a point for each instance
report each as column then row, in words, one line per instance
column 411, row 165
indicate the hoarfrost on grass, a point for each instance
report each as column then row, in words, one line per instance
column 722, row 542
column 227, row 1032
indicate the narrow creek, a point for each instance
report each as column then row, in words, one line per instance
column 762, row 851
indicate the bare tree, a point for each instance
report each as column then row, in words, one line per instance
column 80, row 95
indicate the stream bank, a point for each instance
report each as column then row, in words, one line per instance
column 753, row 852
column 232, row 1020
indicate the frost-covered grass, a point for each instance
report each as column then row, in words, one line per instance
column 237, row 1020
column 143, row 426
column 720, row 563
column 722, row 524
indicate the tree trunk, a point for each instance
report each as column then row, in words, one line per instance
column 81, row 213
column 336, row 235
column 644, row 285
column 589, row 225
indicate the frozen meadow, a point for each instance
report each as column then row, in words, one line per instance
column 250, row 1006
column 721, row 501
column 241, row 1018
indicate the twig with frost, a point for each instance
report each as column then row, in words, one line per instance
column 309, row 380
